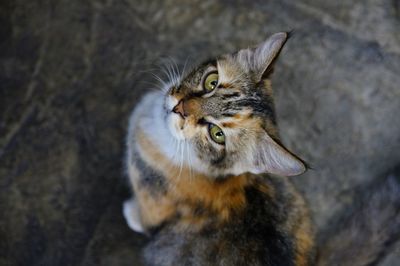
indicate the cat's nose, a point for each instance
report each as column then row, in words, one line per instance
column 179, row 109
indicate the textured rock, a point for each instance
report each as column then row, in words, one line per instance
column 70, row 72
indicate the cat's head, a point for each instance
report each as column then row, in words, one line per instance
column 223, row 110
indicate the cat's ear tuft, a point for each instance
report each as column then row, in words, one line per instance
column 271, row 157
column 260, row 59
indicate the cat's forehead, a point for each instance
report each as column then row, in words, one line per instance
column 197, row 73
column 227, row 67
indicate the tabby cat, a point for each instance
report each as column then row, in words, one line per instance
column 209, row 172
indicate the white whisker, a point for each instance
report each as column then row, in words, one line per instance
column 190, row 163
column 171, row 71
column 181, row 159
column 154, row 87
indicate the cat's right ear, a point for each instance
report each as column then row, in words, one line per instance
column 269, row 156
column 259, row 60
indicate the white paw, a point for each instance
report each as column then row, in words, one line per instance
column 132, row 215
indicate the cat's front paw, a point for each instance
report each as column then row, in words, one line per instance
column 132, row 215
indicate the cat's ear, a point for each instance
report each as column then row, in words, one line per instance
column 260, row 60
column 271, row 157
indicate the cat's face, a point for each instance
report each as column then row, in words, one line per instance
column 223, row 112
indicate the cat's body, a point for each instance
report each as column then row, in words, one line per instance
column 197, row 158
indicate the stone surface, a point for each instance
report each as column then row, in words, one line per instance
column 71, row 71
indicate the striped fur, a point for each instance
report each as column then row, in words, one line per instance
column 207, row 203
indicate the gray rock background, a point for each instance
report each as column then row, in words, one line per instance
column 71, row 71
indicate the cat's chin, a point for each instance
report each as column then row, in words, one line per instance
column 175, row 124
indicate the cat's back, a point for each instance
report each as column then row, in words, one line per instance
column 273, row 229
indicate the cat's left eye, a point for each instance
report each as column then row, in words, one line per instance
column 216, row 134
column 211, row 82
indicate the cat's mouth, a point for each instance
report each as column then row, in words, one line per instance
column 176, row 125
column 175, row 119
column 179, row 109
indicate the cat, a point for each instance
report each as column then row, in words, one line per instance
column 209, row 172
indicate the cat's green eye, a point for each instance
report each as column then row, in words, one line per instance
column 211, row 82
column 216, row 134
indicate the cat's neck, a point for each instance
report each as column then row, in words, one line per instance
column 149, row 119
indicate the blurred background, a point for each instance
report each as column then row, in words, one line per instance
column 71, row 71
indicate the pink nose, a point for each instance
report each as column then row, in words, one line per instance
column 179, row 109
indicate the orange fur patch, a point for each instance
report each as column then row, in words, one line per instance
column 192, row 107
column 154, row 210
column 229, row 124
column 304, row 245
